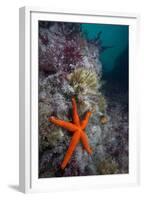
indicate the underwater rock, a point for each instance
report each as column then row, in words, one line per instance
column 107, row 166
column 61, row 48
column 102, row 104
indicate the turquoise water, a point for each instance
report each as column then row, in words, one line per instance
column 115, row 36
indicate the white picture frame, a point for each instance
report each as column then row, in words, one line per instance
column 28, row 138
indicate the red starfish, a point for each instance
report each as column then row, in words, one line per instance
column 77, row 128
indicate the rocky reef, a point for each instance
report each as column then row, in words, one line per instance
column 69, row 65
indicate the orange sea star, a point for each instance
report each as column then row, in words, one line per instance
column 77, row 128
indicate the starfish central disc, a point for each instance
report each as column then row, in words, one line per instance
column 77, row 128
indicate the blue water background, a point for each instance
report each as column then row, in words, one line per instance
column 115, row 36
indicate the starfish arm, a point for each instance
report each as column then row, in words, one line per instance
column 75, row 113
column 72, row 146
column 84, row 122
column 85, row 142
column 67, row 125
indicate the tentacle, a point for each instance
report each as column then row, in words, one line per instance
column 84, row 122
column 72, row 146
column 76, row 119
column 67, row 125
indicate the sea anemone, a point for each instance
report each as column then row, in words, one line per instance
column 84, row 81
